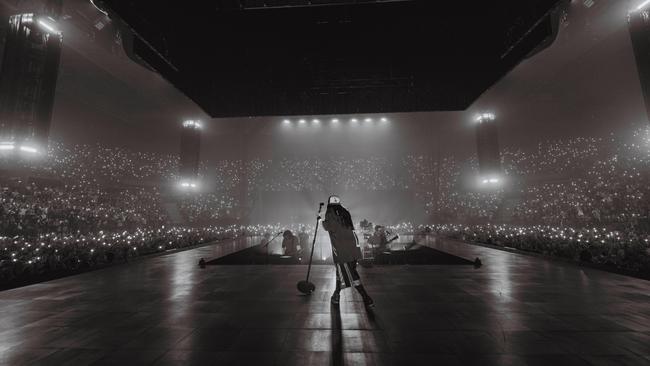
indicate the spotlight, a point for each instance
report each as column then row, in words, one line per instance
column 302, row 121
column 384, row 119
column 485, row 117
column 315, row 121
column 7, row 146
column 354, row 120
column 490, row 181
column 48, row 27
column 186, row 185
column 335, row 120
column 192, row 124
column 286, row 122
column 29, row 149
column 368, row 120
column 643, row 5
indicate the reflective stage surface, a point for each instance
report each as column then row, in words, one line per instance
column 167, row 311
column 403, row 251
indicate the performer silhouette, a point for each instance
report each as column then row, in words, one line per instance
column 345, row 250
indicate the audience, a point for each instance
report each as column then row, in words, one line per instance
column 585, row 199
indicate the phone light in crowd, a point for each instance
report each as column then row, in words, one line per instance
column 485, row 117
column 643, row 5
column 192, row 124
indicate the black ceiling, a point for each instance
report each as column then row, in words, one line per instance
column 298, row 57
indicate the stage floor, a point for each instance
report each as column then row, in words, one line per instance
column 166, row 311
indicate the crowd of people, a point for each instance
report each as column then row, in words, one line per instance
column 77, row 192
column 626, row 250
column 29, row 258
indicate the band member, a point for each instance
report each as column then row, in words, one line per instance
column 378, row 240
column 345, row 250
column 289, row 243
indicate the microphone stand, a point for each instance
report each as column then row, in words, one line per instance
column 267, row 245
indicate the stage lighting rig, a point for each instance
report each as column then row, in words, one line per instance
column 335, row 121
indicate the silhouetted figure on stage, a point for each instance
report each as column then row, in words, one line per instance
column 345, row 250
column 290, row 243
column 378, row 240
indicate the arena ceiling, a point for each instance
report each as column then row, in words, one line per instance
column 298, row 57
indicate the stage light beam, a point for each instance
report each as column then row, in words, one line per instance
column 29, row 149
column 643, row 5
column 49, row 28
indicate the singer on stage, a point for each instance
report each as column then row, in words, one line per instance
column 345, row 250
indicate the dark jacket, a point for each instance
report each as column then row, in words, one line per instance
column 345, row 245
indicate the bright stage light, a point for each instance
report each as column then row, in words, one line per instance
column 354, row 120
column 6, row 146
column 286, row 122
column 187, row 185
column 27, row 17
column 485, row 117
column 192, row 123
column 315, row 121
column 643, row 5
column 490, row 180
column 29, row 149
column 384, row 119
column 48, row 27
column 368, row 120
column 302, row 121
column 335, row 120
